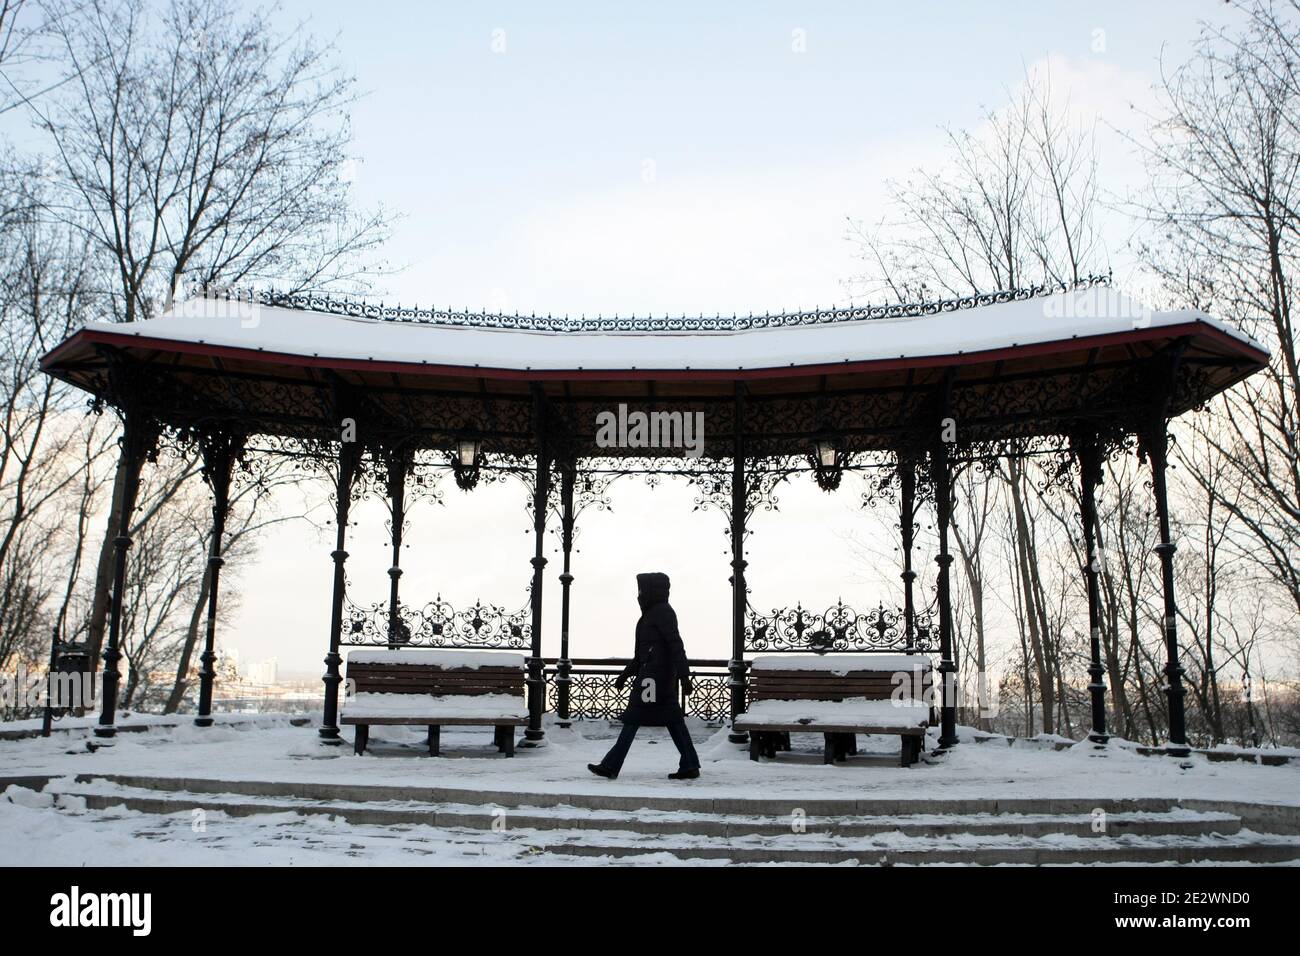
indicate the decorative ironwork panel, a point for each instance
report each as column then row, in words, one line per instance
column 710, row 697
column 438, row 624
column 593, row 696
column 839, row 628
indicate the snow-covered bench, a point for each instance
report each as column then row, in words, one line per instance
column 840, row 697
column 436, row 688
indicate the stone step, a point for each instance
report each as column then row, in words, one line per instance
column 1173, row 822
column 434, row 830
column 929, row 853
column 595, row 800
column 919, row 836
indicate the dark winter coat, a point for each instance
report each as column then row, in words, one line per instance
column 659, row 664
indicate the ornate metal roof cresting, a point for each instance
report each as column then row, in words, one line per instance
column 354, row 308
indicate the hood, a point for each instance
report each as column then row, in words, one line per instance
column 652, row 589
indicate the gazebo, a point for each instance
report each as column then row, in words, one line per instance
column 383, row 398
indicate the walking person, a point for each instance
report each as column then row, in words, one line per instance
column 657, row 670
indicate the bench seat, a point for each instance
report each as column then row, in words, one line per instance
column 436, row 688
column 818, row 716
column 839, row 697
column 435, row 708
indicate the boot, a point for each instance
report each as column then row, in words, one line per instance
column 687, row 773
column 602, row 771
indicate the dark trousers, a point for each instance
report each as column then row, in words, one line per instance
column 677, row 730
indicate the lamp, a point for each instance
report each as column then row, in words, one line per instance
column 466, row 460
column 828, row 463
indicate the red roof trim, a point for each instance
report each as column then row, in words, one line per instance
column 127, row 339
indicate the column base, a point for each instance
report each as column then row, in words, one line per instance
column 738, row 737
column 1098, row 738
column 329, row 735
column 202, row 721
column 533, row 738
column 106, row 733
column 1177, row 750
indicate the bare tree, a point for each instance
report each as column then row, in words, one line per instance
column 1224, row 206
column 199, row 143
column 44, row 294
column 1014, row 206
column 969, row 526
column 249, row 516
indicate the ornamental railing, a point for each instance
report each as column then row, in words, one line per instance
column 354, row 308
column 592, row 695
column 438, row 624
column 840, row 629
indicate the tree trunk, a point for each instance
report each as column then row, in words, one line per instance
column 1110, row 641
column 182, row 682
column 1046, row 685
column 975, row 580
column 98, row 623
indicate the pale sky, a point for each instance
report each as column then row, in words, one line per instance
column 664, row 157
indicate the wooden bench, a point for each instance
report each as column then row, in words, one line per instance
column 435, row 689
column 839, row 697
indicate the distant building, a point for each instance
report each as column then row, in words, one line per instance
column 266, row 672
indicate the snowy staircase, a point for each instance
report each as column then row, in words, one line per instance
column 659, row 829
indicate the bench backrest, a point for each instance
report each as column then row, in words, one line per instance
column 406, row 678
column 827, row 685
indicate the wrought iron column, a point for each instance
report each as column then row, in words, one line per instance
column 348, row 462
column 564, row 666
column 397, row 462
column 139, row 434
column 1088, row 453
column 220, row 448
column 1154, row 445
column 736, row 666
column 536, row 679
column 47, row 713
column 941, row 476
column 907, row 526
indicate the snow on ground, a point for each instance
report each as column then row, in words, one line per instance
column 50, row 827
column 132, row 719
column 270, row 749
column 31, row 833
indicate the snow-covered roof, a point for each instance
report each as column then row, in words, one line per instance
column 807, row 339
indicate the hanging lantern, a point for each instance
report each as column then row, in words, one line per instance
column 828, row 463
column 466, row 461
